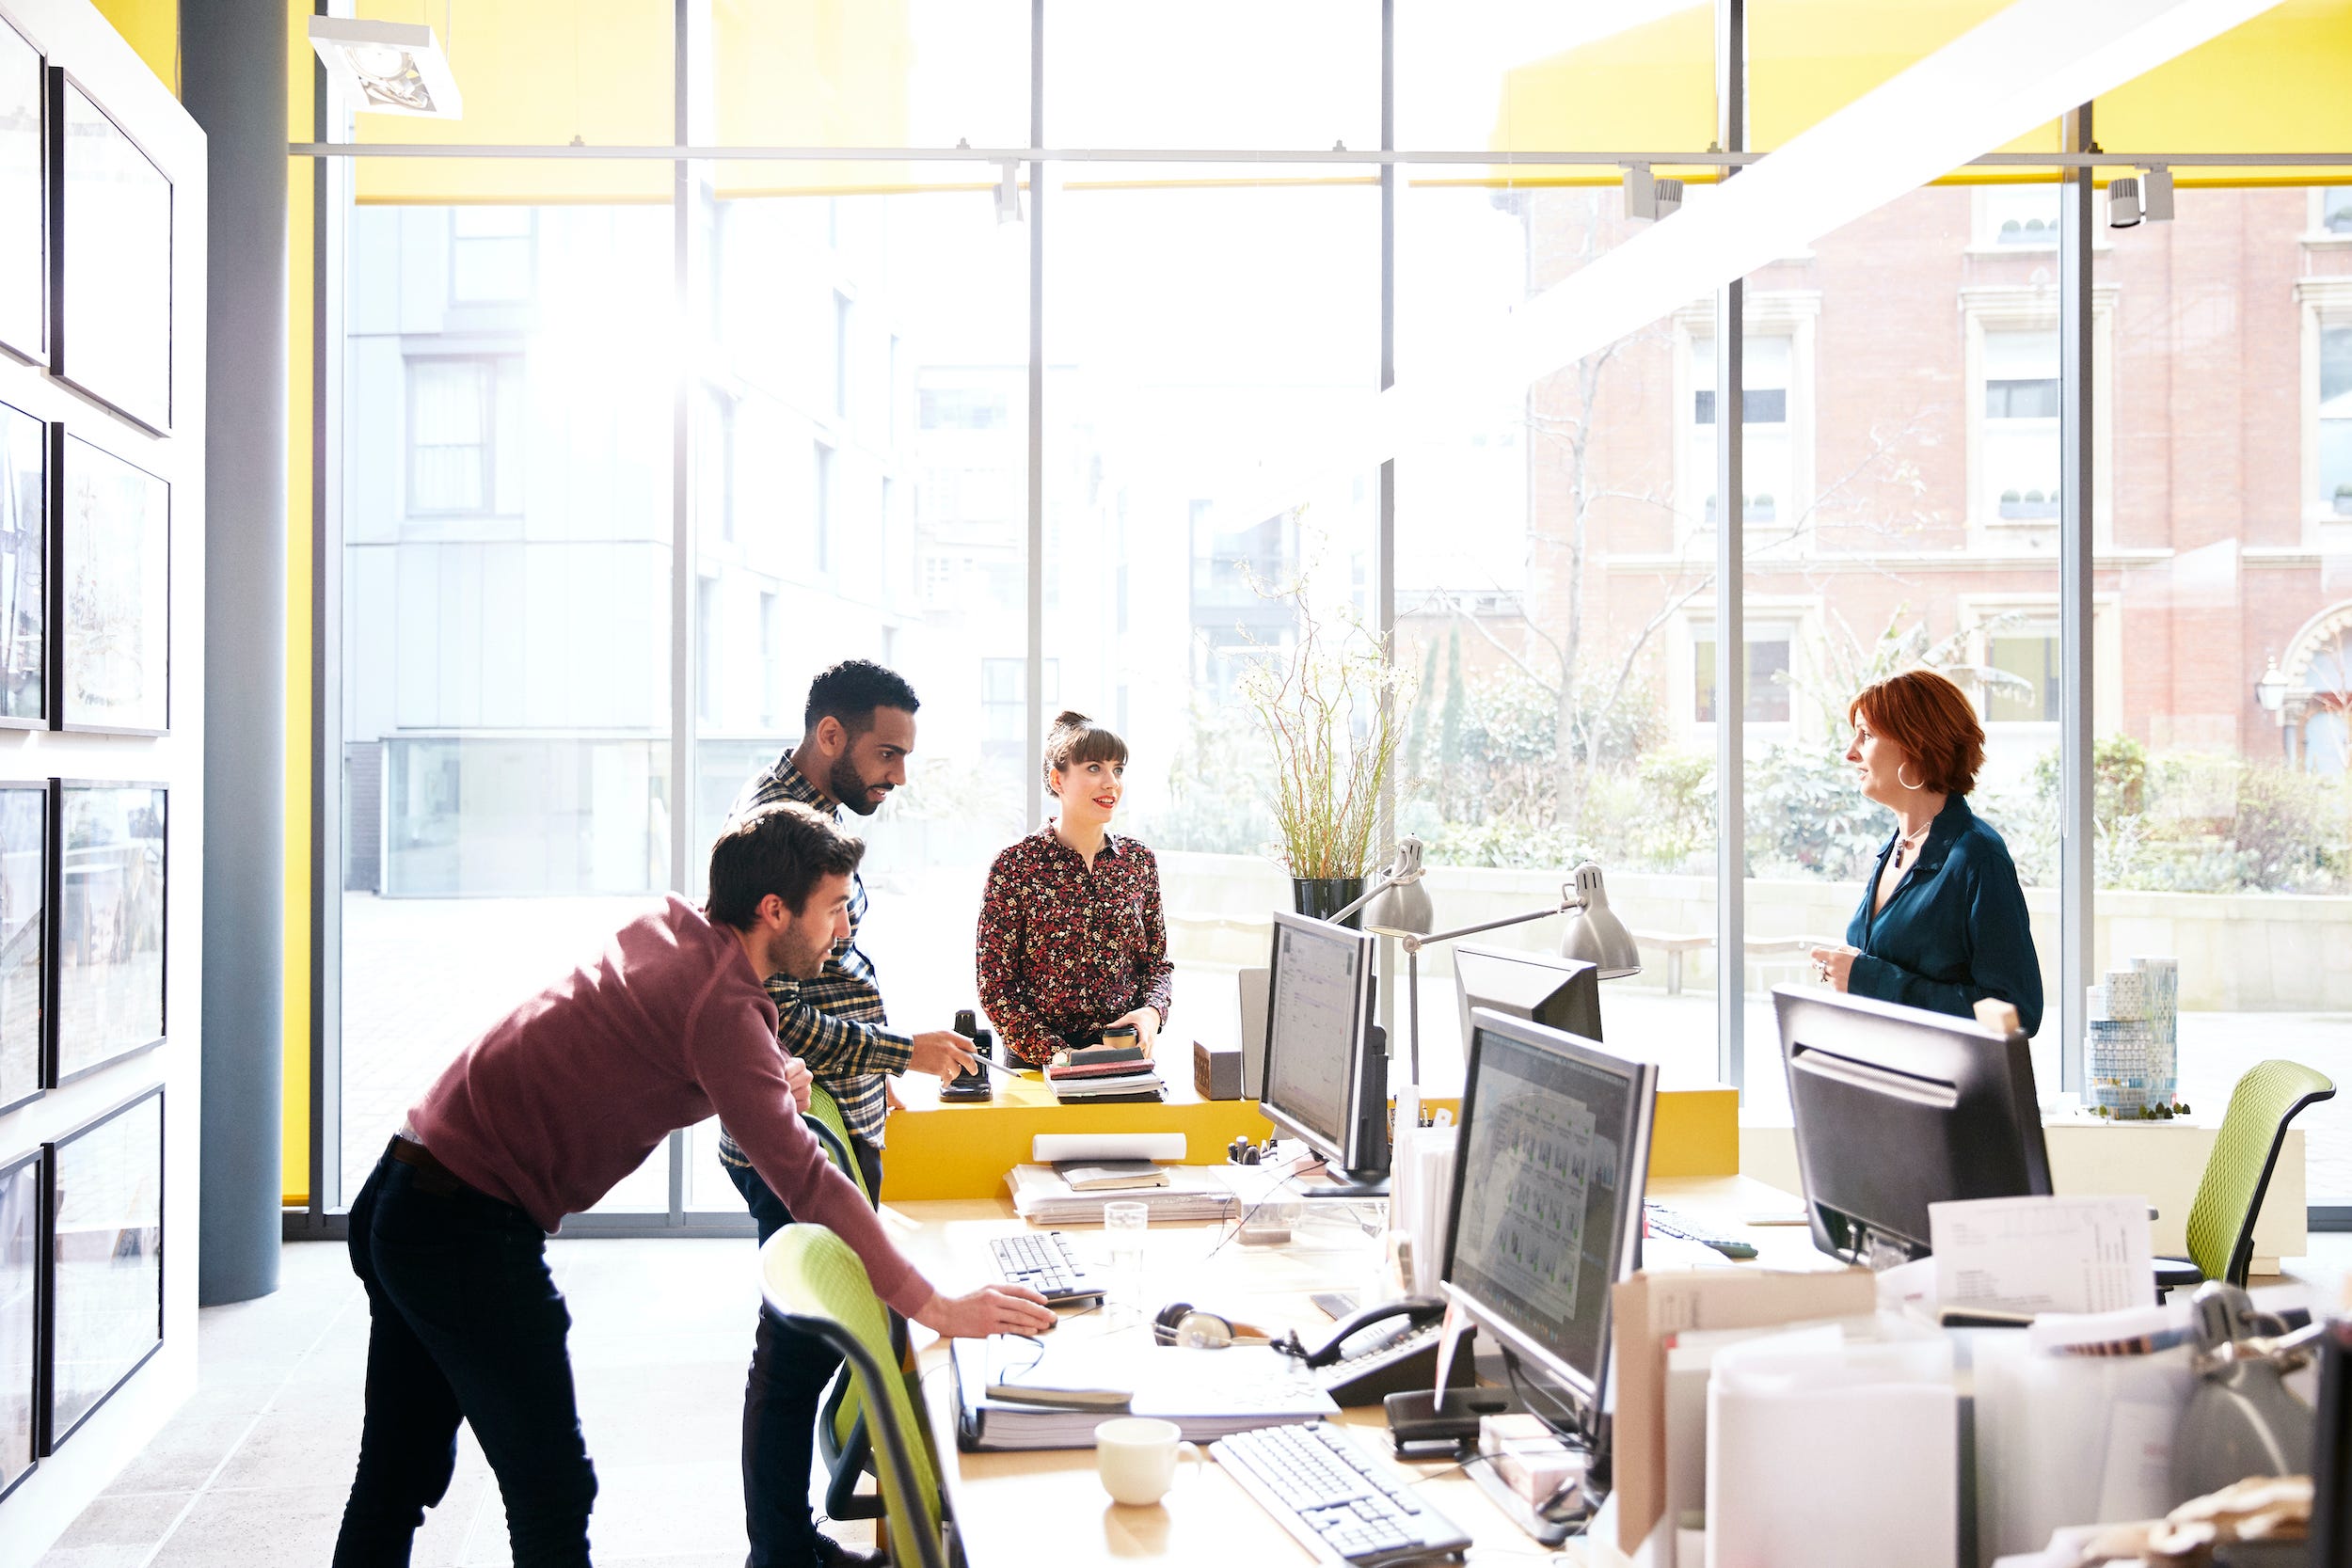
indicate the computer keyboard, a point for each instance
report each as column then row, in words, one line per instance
column 1043, row 1261
column 1342, row 1503
column 1663, row 1221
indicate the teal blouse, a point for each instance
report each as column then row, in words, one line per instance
column 1955, row 929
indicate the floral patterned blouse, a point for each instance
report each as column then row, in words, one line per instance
column 1064, row 950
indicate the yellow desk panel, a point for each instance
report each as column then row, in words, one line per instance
column 953, row 1152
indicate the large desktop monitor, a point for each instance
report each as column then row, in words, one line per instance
column 1896, row 1108
column 1546, row 1213
column 1563, row 993
column 1327, row 1066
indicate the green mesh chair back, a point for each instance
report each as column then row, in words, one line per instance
column 814, row 1283
column 842, row 1441
column 2237, row 1173
column 824, row 1117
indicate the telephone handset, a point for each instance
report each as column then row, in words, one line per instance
column 1418, row 1311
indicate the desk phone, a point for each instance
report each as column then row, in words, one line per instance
column 1368, row 1357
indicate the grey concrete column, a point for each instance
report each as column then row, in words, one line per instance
column 233, row 74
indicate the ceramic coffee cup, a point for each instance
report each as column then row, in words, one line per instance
column 1136, row 1456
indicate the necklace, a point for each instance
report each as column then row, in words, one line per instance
column 1906, row 842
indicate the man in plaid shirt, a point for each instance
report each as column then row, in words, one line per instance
column 856, row 733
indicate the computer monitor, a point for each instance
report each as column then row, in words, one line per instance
column 1898, row 1108
column 1546, row 1213
column 1327, row 1065
column 1563, row 993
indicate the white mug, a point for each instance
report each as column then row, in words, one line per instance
column 1136, row 1458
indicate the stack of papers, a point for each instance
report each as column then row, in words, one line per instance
column 1112, row 1074
column 1042, row 1196
column 1208, row 1393
column 1115, row 1089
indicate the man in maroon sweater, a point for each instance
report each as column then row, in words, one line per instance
column 538, row 1120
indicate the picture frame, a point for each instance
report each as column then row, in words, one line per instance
column 22, row 1277
column 24, row 194
column 24, row 570
column 25, row 858
column 103, row 1246
column 110, row 592
column 110, row 258
column 109, row 889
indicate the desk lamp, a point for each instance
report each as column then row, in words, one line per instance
column 1397, row 904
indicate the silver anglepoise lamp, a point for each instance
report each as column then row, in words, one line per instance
column 1398, row 905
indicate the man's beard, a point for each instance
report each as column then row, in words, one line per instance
column 845, row 784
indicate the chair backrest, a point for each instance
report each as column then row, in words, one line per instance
column 813, row 1281
column 2237, row 1173
column 842, row 1440
column 824, row 1117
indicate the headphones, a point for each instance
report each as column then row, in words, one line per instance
column 1187, row 1327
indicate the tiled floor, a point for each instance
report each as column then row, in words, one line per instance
column 254, row 1469
column 253, row 1472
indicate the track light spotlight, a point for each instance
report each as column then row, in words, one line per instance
column 1009, row 195
column 1641, row 192
column 2123, row 202
column 2156, row 195
column 1669, row 198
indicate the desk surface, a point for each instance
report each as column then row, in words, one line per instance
column 1010, row 1507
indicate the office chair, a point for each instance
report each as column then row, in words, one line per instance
column 2237, row 1174
column 812, row 1281
column 842, row 1440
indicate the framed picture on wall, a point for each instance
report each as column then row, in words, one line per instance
column 110, row 593
column 24, row 570
column 106, row 1256
column 108, row 890
column 24, row 939
column 109, row 260
column 21, row 1255
column 23, row 197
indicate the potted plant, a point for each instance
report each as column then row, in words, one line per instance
column 1330, row 707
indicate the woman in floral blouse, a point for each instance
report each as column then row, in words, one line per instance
column 1071, row 938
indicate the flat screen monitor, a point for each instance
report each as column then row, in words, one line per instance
column 1546, row 1213
column 1563, row 993
column 1326, row 1078
column 1896, row 1108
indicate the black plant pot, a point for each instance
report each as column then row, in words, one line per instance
column 1324, row 896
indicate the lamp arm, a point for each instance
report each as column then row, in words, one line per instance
column 1388, row 878
column 1415, row 944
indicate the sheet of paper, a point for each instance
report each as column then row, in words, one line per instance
column 2034, row 1254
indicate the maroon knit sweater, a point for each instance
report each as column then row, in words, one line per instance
column 570, row 1091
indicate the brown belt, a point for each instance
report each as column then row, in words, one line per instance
column 432, row 1176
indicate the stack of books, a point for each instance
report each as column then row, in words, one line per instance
column 1104, row 1074
column 1043, row 1195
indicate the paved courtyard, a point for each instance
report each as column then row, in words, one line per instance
column 423, row 976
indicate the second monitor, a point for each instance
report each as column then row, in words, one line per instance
column 1327, row 1065
column 1559, row 993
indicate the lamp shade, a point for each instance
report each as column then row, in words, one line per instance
column 1595, row 935
column 1402, row 905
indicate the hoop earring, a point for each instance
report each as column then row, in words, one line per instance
column 1906, row 783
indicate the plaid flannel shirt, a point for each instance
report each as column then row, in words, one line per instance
column 836, row 1023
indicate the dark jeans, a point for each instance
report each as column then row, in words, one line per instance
column 780, row 1399
column 465, row 1323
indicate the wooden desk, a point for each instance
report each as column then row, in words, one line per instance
column 1013, row 1508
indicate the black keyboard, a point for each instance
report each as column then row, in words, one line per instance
column 1043, row 1261
column 1665, row 1222
column 1344, row 1504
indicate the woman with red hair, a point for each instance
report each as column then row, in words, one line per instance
column 1943, row 924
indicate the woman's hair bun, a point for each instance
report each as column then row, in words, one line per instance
column 1070, row 718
